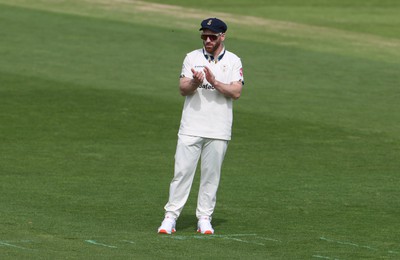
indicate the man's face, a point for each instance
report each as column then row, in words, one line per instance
column 212, row 40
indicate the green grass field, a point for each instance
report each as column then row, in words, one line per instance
column 90, row 109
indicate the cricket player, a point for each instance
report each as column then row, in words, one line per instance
column 211, row 78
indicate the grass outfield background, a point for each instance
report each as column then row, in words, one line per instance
column 89, row 111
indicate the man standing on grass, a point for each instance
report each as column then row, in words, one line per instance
column 211, row 79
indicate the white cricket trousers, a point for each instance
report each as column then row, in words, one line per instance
column 188, row 151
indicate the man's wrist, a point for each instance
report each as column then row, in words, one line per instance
column 194, row 83
column 215, row 83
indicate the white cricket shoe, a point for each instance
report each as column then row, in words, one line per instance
column 204, row 226
column 167, row 226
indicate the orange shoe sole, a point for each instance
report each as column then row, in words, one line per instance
column 208, row 232
column 163, row 231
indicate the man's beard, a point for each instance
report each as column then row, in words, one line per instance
column 213, row 48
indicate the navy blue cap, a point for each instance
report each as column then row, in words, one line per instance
column 214, row 24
